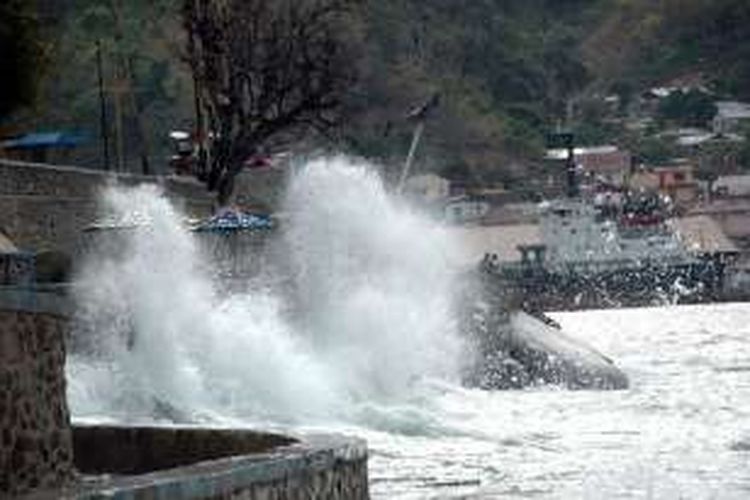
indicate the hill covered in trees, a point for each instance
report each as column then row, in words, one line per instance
column 506, row 71
column 640, row 42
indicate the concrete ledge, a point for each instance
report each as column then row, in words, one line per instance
column 141, row 450
column 227, row 464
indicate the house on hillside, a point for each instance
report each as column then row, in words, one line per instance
column 41, row 147
column 732, row 186
column 465, row 209
column 428, row 188
column 732, row 215
column 606, row 167
column 676, row 180
column 686, row 136
column 730, row 115
column 701, row 234
column 512, row 213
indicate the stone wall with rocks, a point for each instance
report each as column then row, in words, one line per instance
column 43, row 458
column 35, row 440
column 45, row 207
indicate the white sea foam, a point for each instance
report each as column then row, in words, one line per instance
column 365, row 315
column 368, row 349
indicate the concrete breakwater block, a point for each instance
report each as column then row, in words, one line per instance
column 143, row 463
column 526, row 351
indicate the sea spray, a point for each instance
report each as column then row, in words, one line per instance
column 373, row 280
column 165, row 343
column 368, row 287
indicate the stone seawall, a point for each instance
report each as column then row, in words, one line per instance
column 43, row 457
column 35, row 439
column 205, row 464
column 44, row 207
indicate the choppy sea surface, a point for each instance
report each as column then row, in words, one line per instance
column 682, row 430
column 352, row 329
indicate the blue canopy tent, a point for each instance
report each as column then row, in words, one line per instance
column 235, row 240
column 39, row 140
column 232, row 220
column 232, row 239
column 35, row 146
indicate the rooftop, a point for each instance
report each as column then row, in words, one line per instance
column 736, row 183
column 562, row 154
column 733, row 109
column 701, row 233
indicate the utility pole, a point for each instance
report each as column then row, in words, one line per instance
column 415, row 138
column 127, row 72
column 117, row 102
column 102, row 105
column 418, row 114
column 200, row 135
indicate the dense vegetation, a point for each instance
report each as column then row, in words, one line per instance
column 691, row 108
column 507, row 71
column 644, row 42
column 21, row 55
column 504, row 70
column 268, row 73
column 141, row 48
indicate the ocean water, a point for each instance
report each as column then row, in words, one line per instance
column 682, row 430
column 361, row 338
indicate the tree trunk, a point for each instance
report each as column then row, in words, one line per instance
column 230, row 169
column 225, row 190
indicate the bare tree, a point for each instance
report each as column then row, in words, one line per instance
column 266, row 68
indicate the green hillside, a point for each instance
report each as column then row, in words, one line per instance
column 505, row 70
column 641, row 42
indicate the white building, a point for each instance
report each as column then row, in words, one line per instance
column 465, row 208
column 729, row 115
column 428, row 187
column 732, row 185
